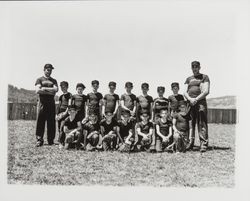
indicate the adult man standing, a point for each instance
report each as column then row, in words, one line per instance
column 46, row 87
column 198, row 86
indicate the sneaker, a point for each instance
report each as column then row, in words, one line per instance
column 190, row 146
column 66, row 146
column 39, row 144
column 60, row 146
column 203, row 149
column 89, row 147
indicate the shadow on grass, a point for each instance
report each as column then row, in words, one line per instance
column 211, row 148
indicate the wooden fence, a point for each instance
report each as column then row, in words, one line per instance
column 28, row 111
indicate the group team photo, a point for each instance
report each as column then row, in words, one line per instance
column 121, row 94
column 127, row 122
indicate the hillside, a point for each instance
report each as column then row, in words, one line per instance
column 29, row 96
column 22, row 95
column 224, row 102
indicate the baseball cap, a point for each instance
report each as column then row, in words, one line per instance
column 48, row 66
column 143, row 112
column 80, row 85
column 195, row 63
column 175, row 84
column 71, row 107
column 91, row 113
column 128, row 84
column 182, row 102
column 144, row 85
column 125, row 112
column 112, row 84
column 95, row 82
column 160, row 88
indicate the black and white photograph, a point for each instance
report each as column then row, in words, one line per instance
column 103, row 99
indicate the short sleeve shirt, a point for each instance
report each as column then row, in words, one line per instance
column 129, row 100
column 182, row 121
column 79, row 100
column 94, row 100
column 108, row 127
column 125, row 128
column 110, row 102
column 194, row 83
column 145, row 128
column 46, row 82
column 71, row 124
column 144, row 102
column 164, row 126
column 174, row 101
column 160, row 103
column 89, row 127
column 64, row 101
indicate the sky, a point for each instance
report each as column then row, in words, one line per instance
column 152, row 42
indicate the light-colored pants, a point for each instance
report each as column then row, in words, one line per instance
column 181, row 141
column 71, row 137
column 109, row 142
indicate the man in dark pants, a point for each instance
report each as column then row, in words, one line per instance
column 198, row 86
column 46, row 87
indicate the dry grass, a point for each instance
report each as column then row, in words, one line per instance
column 49, row 165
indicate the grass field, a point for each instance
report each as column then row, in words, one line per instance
column 49, row 165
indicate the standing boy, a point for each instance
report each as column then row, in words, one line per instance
column 91, row 133
column 144, row 103
column 128, row 100
column 111, row 101
column 160, row 103
column 79, row 101
column 163, row 131
column 46, row 87
column 72, row 127
column 181, row 127
column 108, row 132
column 62, row 110
column 94, row 101
column 175, row 98
column 144, row 129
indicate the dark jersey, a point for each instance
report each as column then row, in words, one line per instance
column 159, row 104
column 89, row 127
column 125, row 128
column 129, row 100
column 79, row 100
column 144, row 128
column 144, row 103
column 71, row 124
column 110, row 102
column 182, row 121
column 94, row 100
column 194, row 83
column 174, row 101
column 164, row 126
column 46, row 82
column 63, row 102
column 108, row 127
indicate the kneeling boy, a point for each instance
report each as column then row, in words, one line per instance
column 125, row 132
column 72, row 128
column 108, row 132
column 144, row 129
column 163, row 131
column 181, row 126
column 91, row 132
